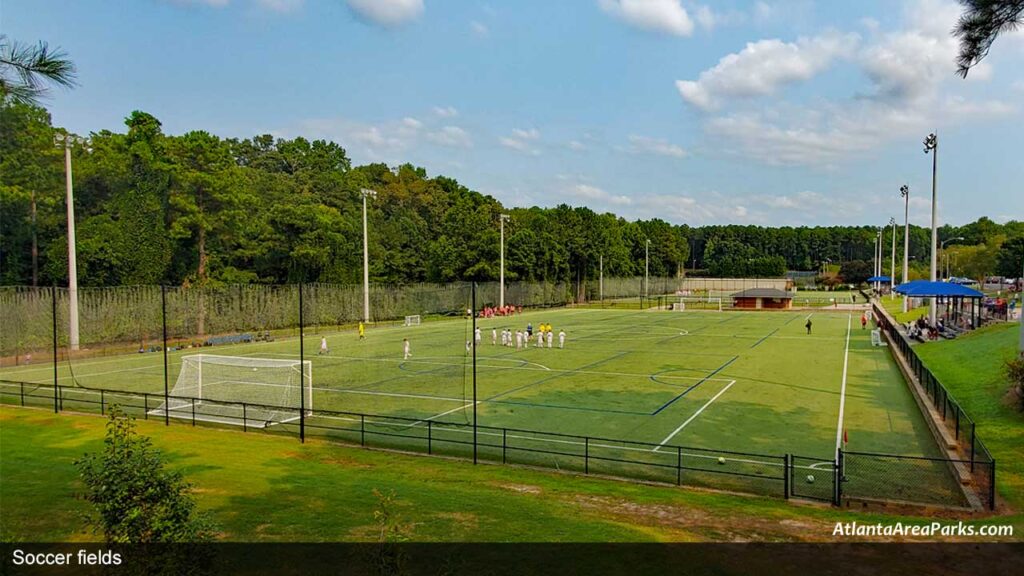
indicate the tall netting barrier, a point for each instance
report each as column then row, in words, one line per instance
column 26, row 326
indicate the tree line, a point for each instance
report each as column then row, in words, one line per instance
column 197, row 209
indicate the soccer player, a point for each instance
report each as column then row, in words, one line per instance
column 494, row 336
column 551, row 337
column 529, row 329
column 408, row 353
column 519, row 339
column 863, row 320
column 362, row 331
column 561, row 338
column 476, row 336
column 323, row 346
column 540, row 339
column 808, row 325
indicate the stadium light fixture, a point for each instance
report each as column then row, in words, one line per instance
column 66, row 141
column 931, row 145
column 905, row 193
column 501, row 292
column 367, row 193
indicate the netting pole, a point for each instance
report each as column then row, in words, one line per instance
column 163, row 316
column 302, row 369
column 53, row 302
column 473, row 339
column 787, row 464
column 992, row 485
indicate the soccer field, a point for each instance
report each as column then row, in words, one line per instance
column 740, row 381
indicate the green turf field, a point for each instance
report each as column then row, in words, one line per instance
column 740, row 381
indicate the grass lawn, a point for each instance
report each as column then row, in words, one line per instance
column 894, row 306
column 971, row 368
column 265, row 488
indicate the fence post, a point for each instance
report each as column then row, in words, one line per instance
column 145, row 406
column 167, row 410
column 586, row 455
column 245, row 419
column 972, row 447
column 679, row 465
column 957, row 433
column 430, row 436
column 362, row 429
column 102, row 405
column 504, row 432
column 22, row 385
column 992, row 486
column 787, row 462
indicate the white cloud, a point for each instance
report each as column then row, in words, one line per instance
column 598, row 196
column 762, row 67
column 387, row 13
column 666, row 16
column 657, row 146
column 528, row 134
column 452, row 136
column 479, row 29
column 576, row 145
column 210, row 3
column 412, row 123
column 705, row 17
column 445, row 111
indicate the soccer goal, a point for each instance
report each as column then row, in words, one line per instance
column 699, row 303
column 412, row 320
column 256, row 392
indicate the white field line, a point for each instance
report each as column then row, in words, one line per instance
column 842, row 392
column 544, row 369
column 691, row 418
column 78, row 376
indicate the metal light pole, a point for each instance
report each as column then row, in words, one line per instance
column 931, row 144
column 647, row 249
column 905, row 193
column 501, row 290
column 876, row 284
column 600, row 277
column 366, row 257
column 942, row 247
column 66, row 140
column 892, row 263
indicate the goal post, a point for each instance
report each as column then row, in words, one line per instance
column 244, row 391
column 412, row 320
column 699, row 303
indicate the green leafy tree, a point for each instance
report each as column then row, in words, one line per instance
column 856, row 271
column 1010, row 258
column 135, row 498
column 25, row 68
column 979, row 26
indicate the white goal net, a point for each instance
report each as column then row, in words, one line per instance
column 699, row 303
column 412, row 320
column 257, row 392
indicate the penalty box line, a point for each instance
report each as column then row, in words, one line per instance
column 693, row 417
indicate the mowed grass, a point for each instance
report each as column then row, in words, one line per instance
column 751, row 382
column 261, row 487
column 971, row 368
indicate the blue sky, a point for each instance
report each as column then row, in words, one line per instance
column 775, row 112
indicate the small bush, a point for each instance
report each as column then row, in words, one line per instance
column 1015, row 372
column 135, row 499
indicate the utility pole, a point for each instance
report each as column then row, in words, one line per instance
column 66, row 140
column 931, row 144
column 600, row 281
column 647, row 249
column 892, row 263
column 905, row 192
column 366, row 192
column 501, row 290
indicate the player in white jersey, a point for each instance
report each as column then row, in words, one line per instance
column 477, row 335
column 519, row 339
column 408, row 354
column 551, row 338
column 494, row 336
column 561, row 338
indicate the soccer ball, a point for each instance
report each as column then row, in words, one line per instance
column 810, row 479
column 721, row 460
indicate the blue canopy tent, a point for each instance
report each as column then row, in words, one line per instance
column 879, row 279
column 957, row 293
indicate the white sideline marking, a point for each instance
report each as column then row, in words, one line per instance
column 695, row 414
column 842, row 393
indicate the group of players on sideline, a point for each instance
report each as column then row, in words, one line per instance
column 520, row 339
